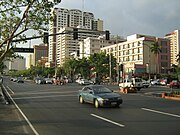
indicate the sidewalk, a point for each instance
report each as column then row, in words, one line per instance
column 11, row 123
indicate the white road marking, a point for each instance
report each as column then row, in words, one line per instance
column 107, row 120
column 10, row 90
column 24, row 116
column 164, row 113
column 40, row 97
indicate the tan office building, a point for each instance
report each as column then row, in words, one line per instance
column 136, row 56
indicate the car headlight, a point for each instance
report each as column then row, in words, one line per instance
column 101, row 99
column 119, row 98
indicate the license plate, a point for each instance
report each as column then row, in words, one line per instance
column 113, row 103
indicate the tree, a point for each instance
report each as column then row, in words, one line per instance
column 101, row 64
column 84, row 67
column 156, row 49
column 71, row 67
column 2, row 67
column 178, row 58
column 17, row 17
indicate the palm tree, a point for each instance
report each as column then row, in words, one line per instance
column 156, row 49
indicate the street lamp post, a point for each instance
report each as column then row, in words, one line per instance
column 148, row 70
column 117, row 68
column 148, row 65
column 110, row 67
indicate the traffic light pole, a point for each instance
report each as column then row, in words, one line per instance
column 107, row 34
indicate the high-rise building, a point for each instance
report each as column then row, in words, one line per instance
column 174, row 38
column 69, row 18
column 40, row 51
column 98, row 25
column 66, row 45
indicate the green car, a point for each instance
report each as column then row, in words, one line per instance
column 100, row 96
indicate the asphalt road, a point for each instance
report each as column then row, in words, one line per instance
column 55, row 110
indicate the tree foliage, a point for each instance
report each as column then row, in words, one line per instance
column 98, row 63
column 155, row 48
column 178, row 57
column 17, row 17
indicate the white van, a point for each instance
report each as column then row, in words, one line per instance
column 133, row 83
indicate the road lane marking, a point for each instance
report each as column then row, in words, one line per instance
column 24, row 116
column 107, row 120
column 10, row 90
column 155, row 111
column 40, row 97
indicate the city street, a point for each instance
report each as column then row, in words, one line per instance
column 55, row 110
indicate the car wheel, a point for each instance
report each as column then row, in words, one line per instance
column 117, row 105
column 81, row 100
column 96, row 103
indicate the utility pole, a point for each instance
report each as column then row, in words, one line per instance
column 110, row 67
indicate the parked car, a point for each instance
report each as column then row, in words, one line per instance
column 163, row 82
column 40, row 80
column 155, row 82
column 146, row 84
column 174, row 83
column 99, row 96
column 78, row 80
column 48, row 80
column 14, row 79
column 20, row 80
column 84, row 82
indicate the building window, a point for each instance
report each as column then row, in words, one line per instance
column 164, row 64
column 163, row 50
column 164, row 57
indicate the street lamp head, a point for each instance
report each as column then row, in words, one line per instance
column 55, row 1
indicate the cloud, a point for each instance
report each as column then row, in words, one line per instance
column 126, row 17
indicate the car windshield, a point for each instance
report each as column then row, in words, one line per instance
column 174, row 81
column 101, row 89
column 138, row 80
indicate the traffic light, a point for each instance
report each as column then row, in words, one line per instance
column 46, row 38
column 78, row 53
column 121, row 67
column 107, row 34
column 75, row 33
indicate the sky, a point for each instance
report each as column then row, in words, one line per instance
column 127, row 17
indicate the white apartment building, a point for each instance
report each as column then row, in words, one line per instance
column 66, row 46
column 93, row 45
column 174, row 38
column 69, row 18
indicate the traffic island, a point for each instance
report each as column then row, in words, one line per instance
column 174, row 95
column 128, row 90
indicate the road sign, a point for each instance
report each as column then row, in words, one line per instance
column 24, row 50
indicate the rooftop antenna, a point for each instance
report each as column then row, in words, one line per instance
column 29, row 43
column 82, row 12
